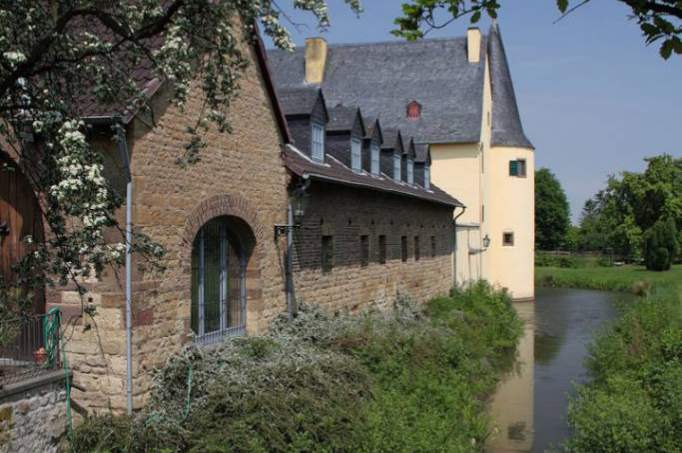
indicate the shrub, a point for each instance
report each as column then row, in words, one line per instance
column 634, row 401
column 412, row 379
column 661, row 246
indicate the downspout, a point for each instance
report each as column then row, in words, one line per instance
column 454, row 254
column 123, row 150
column 291, row 308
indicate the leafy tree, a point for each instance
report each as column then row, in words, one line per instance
column 552, row 214
column 619, row 216
column 661, row 245
column 58, row 56
column 659, row 20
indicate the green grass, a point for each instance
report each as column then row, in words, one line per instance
column 629, row 278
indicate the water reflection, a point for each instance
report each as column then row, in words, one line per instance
column 530, row 403
column 512, row 405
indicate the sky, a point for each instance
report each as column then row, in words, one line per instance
column 594, row 99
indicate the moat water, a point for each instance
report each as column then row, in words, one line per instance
column 530, row 405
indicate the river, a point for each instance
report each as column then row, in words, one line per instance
column 530, row 404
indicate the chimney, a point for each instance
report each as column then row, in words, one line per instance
column 315, row 60
column 474, row 44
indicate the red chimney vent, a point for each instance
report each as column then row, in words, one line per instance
column 414, row 110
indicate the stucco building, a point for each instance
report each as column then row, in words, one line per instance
column 456, row 99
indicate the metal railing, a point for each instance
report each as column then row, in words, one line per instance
column 30, row 347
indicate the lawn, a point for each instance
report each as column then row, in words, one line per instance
column 629, row 278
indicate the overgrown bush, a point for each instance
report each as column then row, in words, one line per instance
column 661, row 246
column 412, row 379
column 634, row 401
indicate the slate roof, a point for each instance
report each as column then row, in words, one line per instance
column 506, row 120
column 422, row 152
column 333, row 171
column 382, row 78
column 341, row 118
column 298, row 100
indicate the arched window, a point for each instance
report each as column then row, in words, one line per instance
column 219, row 259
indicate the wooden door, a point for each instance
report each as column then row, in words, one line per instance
column 20, row 216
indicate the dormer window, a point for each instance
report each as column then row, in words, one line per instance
column 410, row 171
column 427, row 176
column 396, row 167
column 317, row 145
column 374, row 164
column 356, row 154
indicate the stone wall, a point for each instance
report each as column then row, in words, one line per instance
column 240, row 174
column 33, row 417
column 346, row 214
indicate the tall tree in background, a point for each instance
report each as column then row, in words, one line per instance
column 619, row 216
column 659, row 20
column 552, row 213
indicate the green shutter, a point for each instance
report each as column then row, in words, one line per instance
column 513, row 168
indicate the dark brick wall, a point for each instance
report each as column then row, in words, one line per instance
column 346, row 214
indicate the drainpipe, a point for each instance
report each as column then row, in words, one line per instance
column 123, row 150
column 454, row 255
column 291, row 308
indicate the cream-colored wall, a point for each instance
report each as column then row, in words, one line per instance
column 456, row 168
column 477, row 174
column 467, row 265
column 511, row 208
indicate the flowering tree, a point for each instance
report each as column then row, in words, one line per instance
column 59, row 56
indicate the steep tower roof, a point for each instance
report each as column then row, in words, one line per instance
column 507, row 129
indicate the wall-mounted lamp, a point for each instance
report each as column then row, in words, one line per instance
column 486, row 242
column 298, row 203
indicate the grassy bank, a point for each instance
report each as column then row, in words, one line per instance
column 634, row 399
column 628, row 278
column 411, row 380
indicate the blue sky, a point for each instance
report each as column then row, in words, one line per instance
column 593, row 98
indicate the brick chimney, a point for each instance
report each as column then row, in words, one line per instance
column 474, row 44
column 315, row 60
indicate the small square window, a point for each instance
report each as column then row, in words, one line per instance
column 364, row 250
column 517, row 168
column 382, row 249
column 416, row 248
column 433, row 246
column 508, row 239
column 327, row 256
column 403, row 248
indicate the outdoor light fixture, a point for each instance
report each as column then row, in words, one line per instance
column 298, row 203
column 486, row 242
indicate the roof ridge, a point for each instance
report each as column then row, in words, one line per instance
column 379, row 43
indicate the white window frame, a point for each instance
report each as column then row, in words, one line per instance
column 356, row 154
column 427, row 176
column 410, row 171
column 397, row 166
column 317, row 142
column 374, row 164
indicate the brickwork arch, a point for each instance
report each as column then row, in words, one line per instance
column 231, row 206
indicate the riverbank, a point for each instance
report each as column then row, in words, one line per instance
column 414, row 379
column 629, row 278
column 633, row 401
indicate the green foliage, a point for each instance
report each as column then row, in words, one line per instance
column 409, row 380
column 634, row 401
column 617, row 218
column 552, row 214
column 661, row 246
column 659, row 20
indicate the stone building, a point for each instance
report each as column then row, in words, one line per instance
column 456, row 98
column 237, row 252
